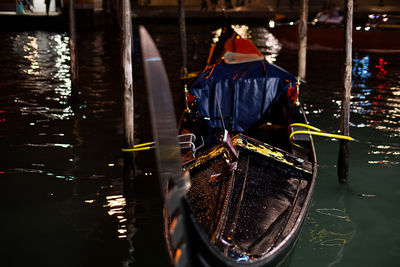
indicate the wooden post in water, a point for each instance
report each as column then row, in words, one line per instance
column 343, row 159
column 303, row 39
column 126, row 60
column 182, row 30
column 72, row 46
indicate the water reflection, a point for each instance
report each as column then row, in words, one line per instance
column 267, row 44
column 333, row 234
column 38, row 88
column 31, row 50
column 116, row 205
column 59, row 161
column 336, row 230
column 376, row 105
column 375, row 96
column 332, row 229
column 384, row 154
column 361, row 69
column 47, row 70
column 2, row 118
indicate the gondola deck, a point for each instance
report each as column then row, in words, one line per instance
column 246, row 214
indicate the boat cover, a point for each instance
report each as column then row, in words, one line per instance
column 244, row 90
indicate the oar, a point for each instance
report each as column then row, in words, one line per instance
column 174, row 184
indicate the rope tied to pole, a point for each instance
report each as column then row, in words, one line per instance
column 311, row 130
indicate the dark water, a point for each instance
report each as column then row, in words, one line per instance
column 63, row 202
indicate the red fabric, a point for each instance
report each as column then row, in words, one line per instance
column 190, row 98
column 291, row 94
column 240, row 45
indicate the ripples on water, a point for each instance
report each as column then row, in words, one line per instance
column 61, row 186
column 36, row 89
column 61, row 177
column 375, row 102
column 344, row 222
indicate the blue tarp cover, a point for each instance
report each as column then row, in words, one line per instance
column 244, row 90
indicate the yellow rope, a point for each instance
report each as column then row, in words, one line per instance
column 305, row 126
column 143, row 144
column 135, row 149
column 315, row 131
column 139, row 147
column 337, row 136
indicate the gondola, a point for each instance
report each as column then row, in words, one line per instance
column 239, row 174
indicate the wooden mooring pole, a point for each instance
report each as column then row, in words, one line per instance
column 302, row 56
column 126, row 61
column 344, row 148
column 72, row 46
column 182, row 30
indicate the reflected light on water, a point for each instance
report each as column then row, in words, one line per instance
column 386, row 154
column 267, row 43
column 62, row 67
column 44, row 50
column 2, row 119
column 375, row 106
column 116, row 205
column 361, row 67
column 242, row 30
column 31, row 50
column 62, row 74
column 378, row 100
column 332, row 229
column 50, row 145
column 216, row 34
column 375, row 98
column 43, row 94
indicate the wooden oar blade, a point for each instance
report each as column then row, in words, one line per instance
column 162, row 111
column 174, row 184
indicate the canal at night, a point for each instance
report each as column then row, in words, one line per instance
column 63, row 198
